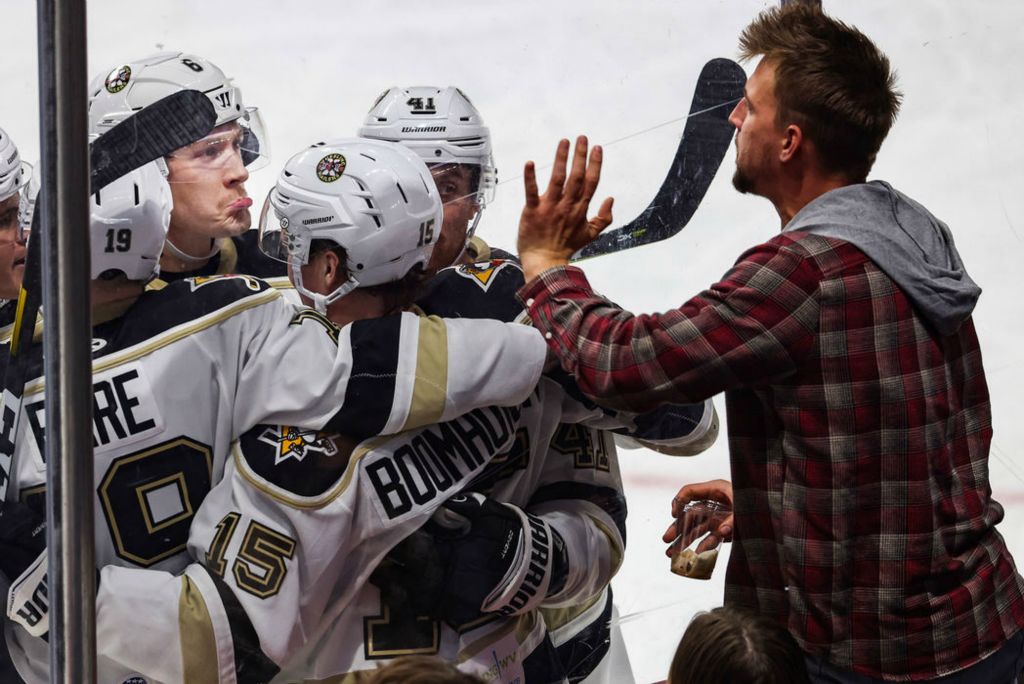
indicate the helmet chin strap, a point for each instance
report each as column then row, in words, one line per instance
column 469, row 238
column 320, row 301
column 185, row 256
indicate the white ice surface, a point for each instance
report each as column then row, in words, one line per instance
column 539, row 71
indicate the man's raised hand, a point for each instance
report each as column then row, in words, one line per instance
column 554, row 226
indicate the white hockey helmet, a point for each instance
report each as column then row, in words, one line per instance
column 375, row 199
column 27, row 203
column 116, row 94
column 440, row 124
column 129, row 221
column 444, row 128
column 14, row 173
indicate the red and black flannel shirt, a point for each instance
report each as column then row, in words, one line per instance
column 859, row 445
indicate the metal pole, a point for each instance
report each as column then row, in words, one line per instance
column 68, row 332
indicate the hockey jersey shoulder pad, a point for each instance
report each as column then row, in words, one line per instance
column 294, row 464
column 179, row 303
column 483, row 290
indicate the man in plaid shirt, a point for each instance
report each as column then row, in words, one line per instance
column 859, row 416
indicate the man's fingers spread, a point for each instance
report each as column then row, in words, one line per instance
column 558, row 170
column 579, row 168
column 604, row 214
column 593, row 174
column 530, row 184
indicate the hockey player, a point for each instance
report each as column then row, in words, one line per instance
column 14, row 175
column 210, row 225
column 585, row 492
column 182, row 374
column 444, row 128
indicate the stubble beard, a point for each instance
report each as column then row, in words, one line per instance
column 743, row 183
column 741, row 180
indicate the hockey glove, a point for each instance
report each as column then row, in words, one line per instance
column 496, row 557
column 23, row 563
column 411, row 575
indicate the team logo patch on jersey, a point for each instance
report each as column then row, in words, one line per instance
column 292, row 442
column 483, row 273
column 330, row 168
column 118, row 79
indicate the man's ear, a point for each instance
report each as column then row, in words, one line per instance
column 332, row 268
column 792, row 142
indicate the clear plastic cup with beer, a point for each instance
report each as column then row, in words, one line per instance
column 695, row 550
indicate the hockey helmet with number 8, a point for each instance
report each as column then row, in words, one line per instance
column 375, row 199
column 119, row 92
column 128, row 224
column 14, row 173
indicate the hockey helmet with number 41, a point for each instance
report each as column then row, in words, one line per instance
column 375, row 199
column 444, row 128
column 441, row 125
column 117, row 93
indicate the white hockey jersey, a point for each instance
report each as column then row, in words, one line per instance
column 286, row 542
column 182, row 373
column 555, row 470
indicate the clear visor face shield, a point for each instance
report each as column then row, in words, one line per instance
column 276, row 239
column 464, row 190
column 27, row 185
column 230, row 147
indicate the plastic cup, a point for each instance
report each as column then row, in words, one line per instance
column 695, row 550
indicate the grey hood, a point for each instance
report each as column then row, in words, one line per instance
column 904, row 240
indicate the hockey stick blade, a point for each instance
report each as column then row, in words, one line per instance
column 175, row 121
column 164, row 126
column 706, row 138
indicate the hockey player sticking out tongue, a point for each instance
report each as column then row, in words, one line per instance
column 210, row 224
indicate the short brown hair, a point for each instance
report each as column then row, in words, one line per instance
column 397, row 294
column 830, row 80
column 421, row 670
column 727, row 645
